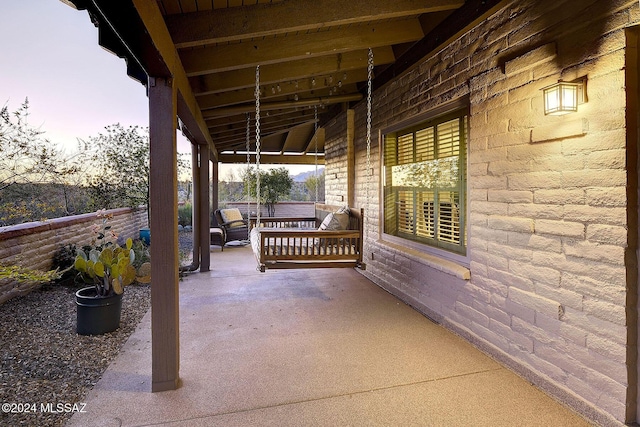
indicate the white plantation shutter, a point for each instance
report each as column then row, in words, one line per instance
column 424, row 197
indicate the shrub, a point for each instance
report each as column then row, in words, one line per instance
column 184, row 214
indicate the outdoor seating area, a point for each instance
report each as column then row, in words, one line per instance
column 332, row 238
column 311, row 347
column 232, row 224
column 487, row 151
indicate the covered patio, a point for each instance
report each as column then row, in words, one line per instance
column 311, row 347
column 518, row 230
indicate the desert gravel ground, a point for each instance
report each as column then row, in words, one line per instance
column 46, row 367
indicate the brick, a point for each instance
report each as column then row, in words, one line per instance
column 509, row 252
column 595, row 251
column 608, row 234
column 511, row 224
column 505, row 167
column 551, row 132
column 544, row 53
column 587, row 286
column 605, row 310
column 611, row 159
column 513, row 280
column 510, row 196
column 553, row 325
column 559, row 228
column 488, row 182
column 489, row 207
column 542, row 272
column 536, row 180
column 596, row 215
column 566, row 297
column 559, row 196
column 472, row 314
column 518, row 311
column 611, row 350
column 537, row 211
column 537, row 242
column 511, row 138
column 528, row 151
column 607, row 197
column 594, row 178
column 538, row 303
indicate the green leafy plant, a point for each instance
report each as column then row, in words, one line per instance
column 184, row 214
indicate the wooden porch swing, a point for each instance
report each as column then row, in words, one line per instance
column 332, row 238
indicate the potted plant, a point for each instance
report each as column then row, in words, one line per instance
column 108, row 267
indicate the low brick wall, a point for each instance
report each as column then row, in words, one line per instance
column 34, row 244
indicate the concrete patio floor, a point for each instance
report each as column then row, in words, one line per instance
column 315, row 347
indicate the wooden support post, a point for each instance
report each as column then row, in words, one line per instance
column 351, row 158
column 205, row 236
column 163, row 202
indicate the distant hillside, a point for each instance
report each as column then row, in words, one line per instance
column 302, row 176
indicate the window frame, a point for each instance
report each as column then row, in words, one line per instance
column 458, row 108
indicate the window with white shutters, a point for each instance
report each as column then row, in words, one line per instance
column 425, row 185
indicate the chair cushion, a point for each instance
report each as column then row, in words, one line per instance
column 232, row 214
column 338, row 220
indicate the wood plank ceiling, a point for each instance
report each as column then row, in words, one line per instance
column 312, row 53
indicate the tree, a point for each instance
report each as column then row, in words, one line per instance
column 31, row 163
column 120, row 173
column 314, row 183
column 274, row 184
column 230, row 189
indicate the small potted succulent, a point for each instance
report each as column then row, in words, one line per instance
column 108, row 268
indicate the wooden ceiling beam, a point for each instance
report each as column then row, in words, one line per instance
column 275, row 50
column 297, row 137
column 239, row 140
column 309, row 102
column 241, row 129
column 288, row 89
column 266, row 20
column 290, row 71
column 317, row 140
column 266, row 128
column 241, row 119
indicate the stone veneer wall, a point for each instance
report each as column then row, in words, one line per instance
column 544, row 284
column 34, row 244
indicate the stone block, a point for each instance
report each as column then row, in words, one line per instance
column 536, row 302
column 511, row 224
column 560, row 228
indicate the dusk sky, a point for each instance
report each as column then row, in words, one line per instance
column 50, row 54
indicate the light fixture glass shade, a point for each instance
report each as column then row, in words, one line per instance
column 561, row 98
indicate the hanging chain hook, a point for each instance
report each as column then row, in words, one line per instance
column 248, row 166
column 315, row 120
column 369, row 96
column 257, row 93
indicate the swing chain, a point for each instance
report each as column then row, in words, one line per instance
column 248, row 166
column 315, row 120
column 369, row 91
column 257, row 94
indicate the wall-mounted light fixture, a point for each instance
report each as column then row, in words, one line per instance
column 564, row 97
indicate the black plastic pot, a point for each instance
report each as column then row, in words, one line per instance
column 97, row 314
